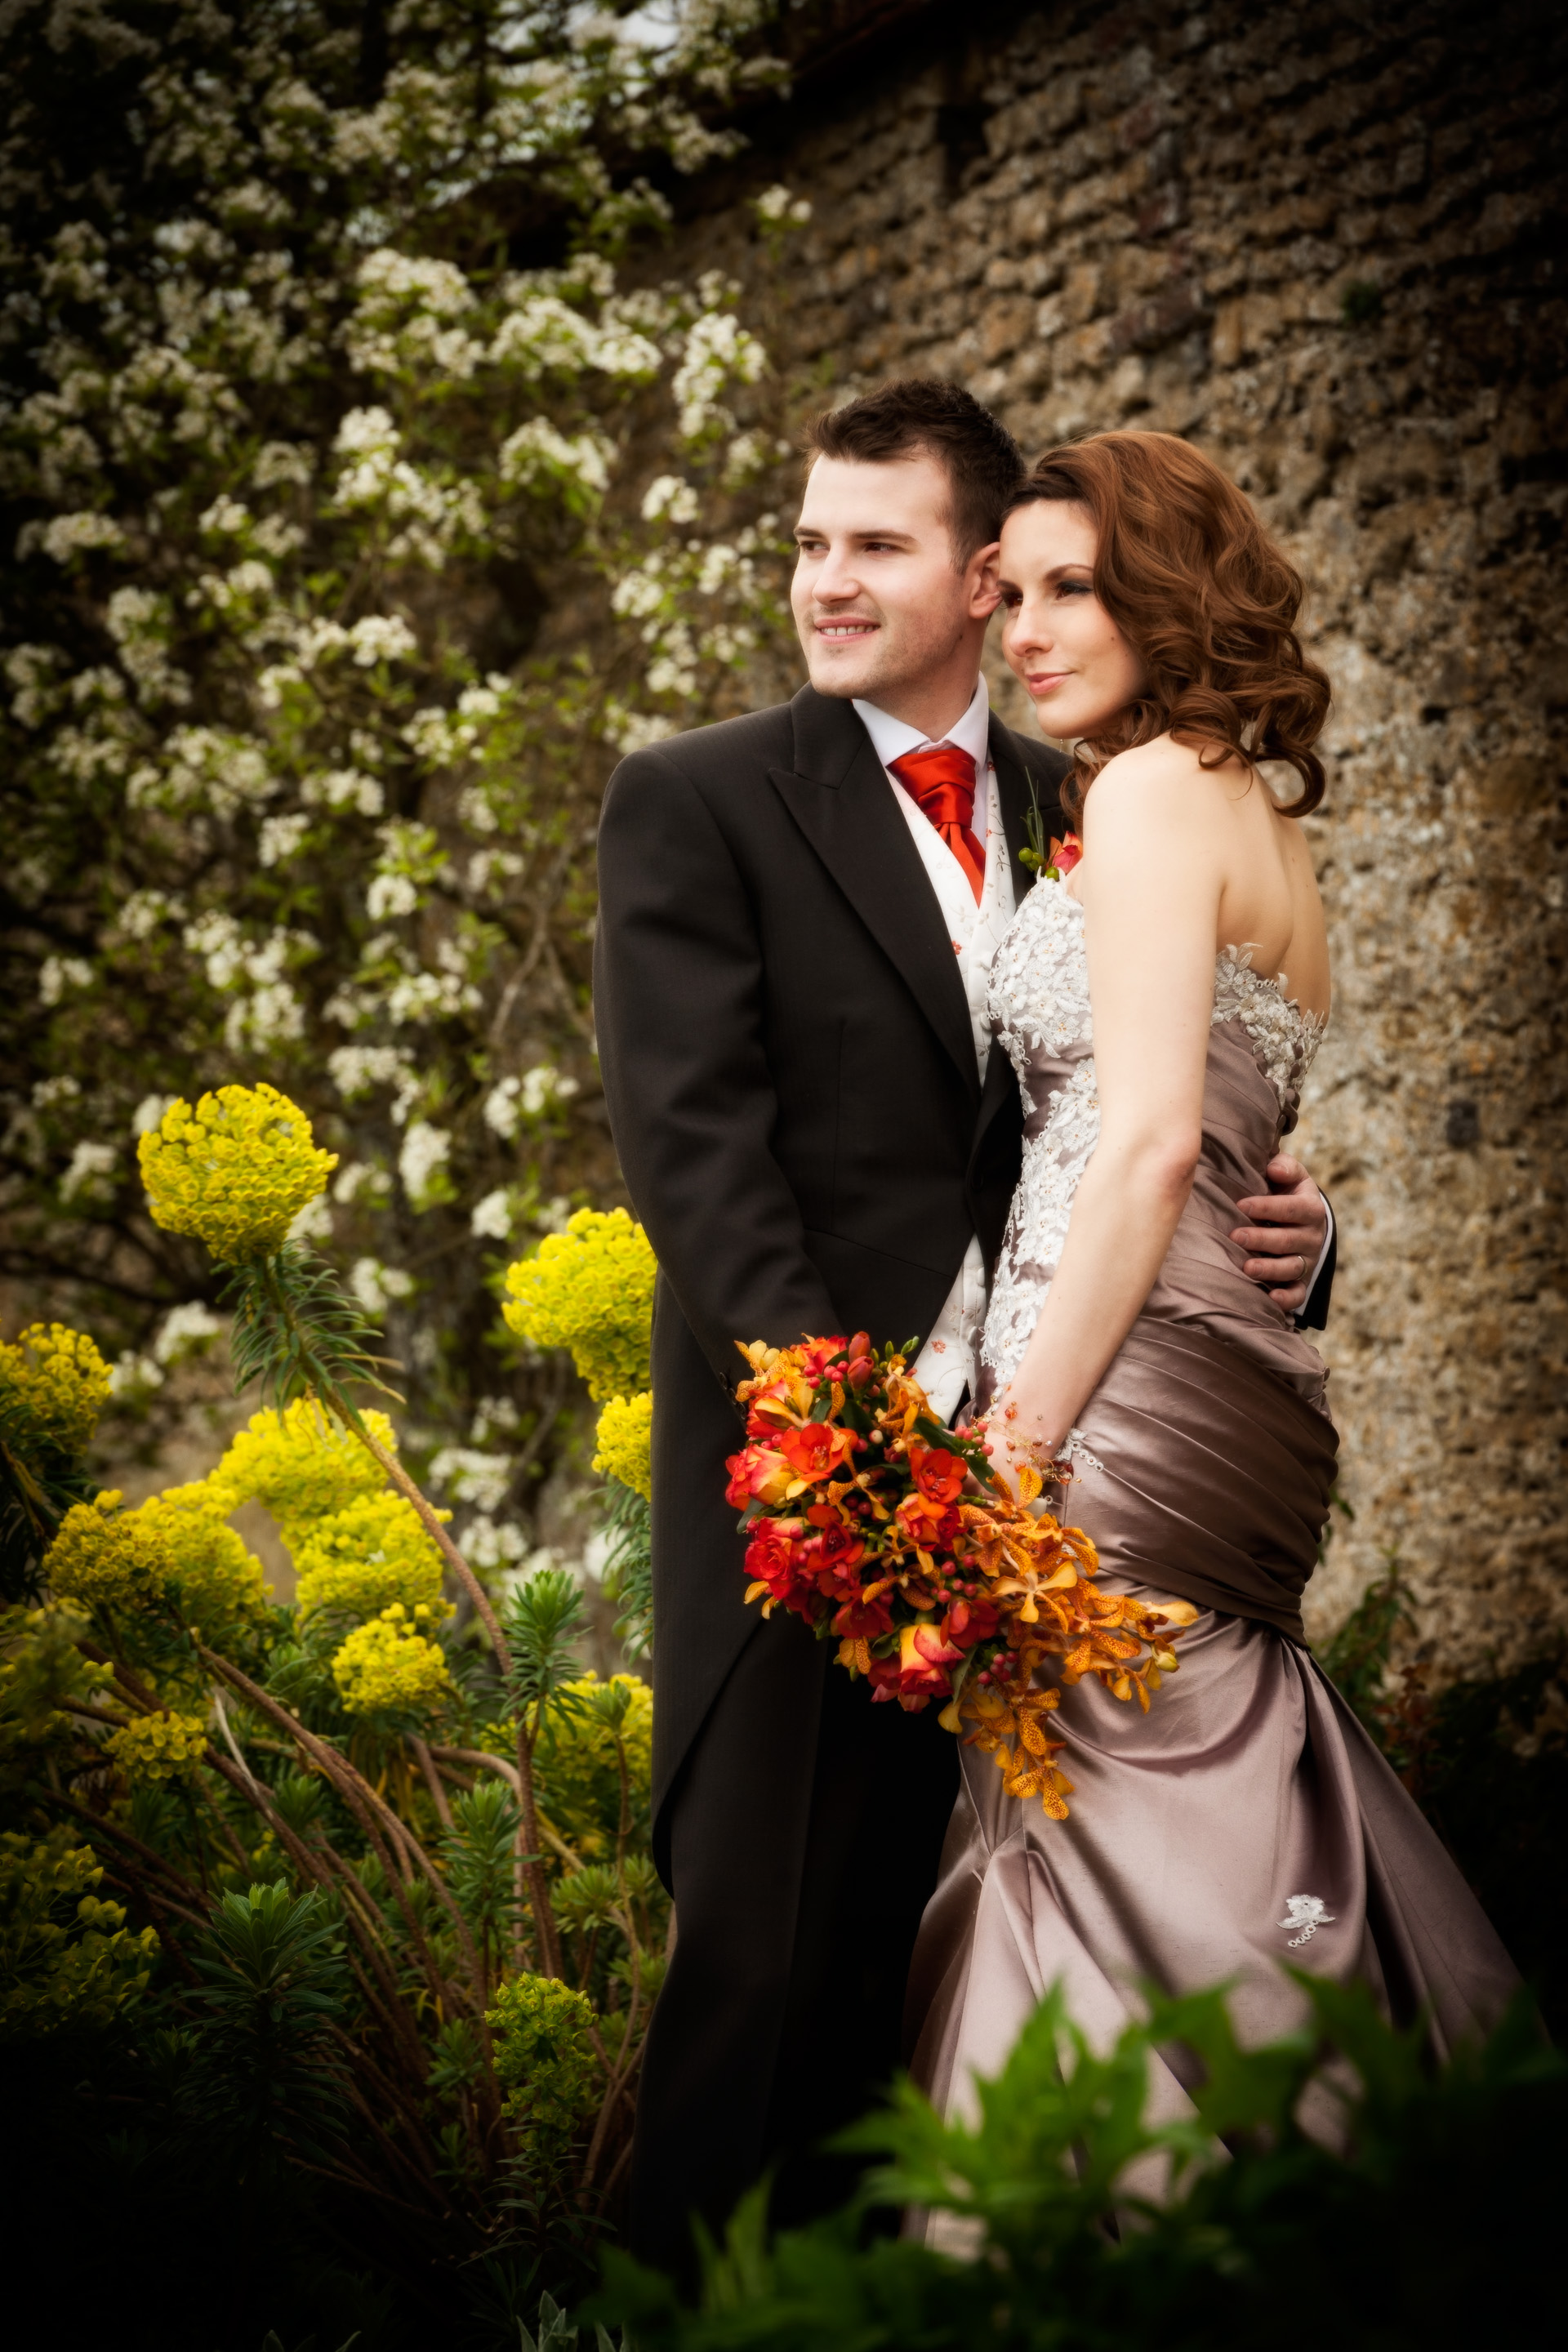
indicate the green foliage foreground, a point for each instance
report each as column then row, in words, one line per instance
column 1412, row 2210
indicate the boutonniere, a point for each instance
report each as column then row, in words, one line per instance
column 1063, row 854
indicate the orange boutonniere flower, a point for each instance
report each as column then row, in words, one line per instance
column 1062, row 856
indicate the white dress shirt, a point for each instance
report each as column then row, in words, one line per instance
column 976, row 930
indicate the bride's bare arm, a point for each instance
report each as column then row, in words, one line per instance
column 1150, row 884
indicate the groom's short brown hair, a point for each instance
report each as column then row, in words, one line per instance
column 917, row 414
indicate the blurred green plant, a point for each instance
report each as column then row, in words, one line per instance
column 1088, row 2228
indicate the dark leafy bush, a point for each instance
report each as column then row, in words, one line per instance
column 1419, row 2211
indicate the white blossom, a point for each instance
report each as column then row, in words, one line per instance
column 314, row 1222
column 75, row 534
column 91, row 1165
column 493, row 1217
column 280, row 837
column 185, row 1330
column 375, row 1284
column 354, row 1070
column 225, row 517
column 343, row 788
column 382, row 637
column 537, row 449
column 149, row 1113
column 422, row 1159
column 58, row 973
column 391, row 894
column 470, row 1477
column 133, row 1374
column 486, row 1545
column 668, row 495
column 775, row 206
column 49, row 1093
column 282, row 461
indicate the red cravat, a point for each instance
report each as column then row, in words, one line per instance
column 942, row 783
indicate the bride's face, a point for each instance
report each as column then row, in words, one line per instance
column 1074, row 662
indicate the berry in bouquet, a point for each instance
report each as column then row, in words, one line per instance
column 893, row 1534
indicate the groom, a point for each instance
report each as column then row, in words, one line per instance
column 797, row 915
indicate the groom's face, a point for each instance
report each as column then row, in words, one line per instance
column 879, row 599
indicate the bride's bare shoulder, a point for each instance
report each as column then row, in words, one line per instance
column 1164, row 780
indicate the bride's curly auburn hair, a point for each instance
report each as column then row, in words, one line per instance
column 1205, row 599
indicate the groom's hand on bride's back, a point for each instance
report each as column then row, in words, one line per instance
column 1285, row 1234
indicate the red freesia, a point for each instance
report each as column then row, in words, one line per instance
column 863, row 1620
column 938, row 1474
column 969, row 1623
column 817, row 1450
column 930, row 1525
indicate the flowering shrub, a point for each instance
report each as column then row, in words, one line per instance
column 301, row 1464
column 53, row 1384
column 589, row 1289
column 368, row 1557
column 624, row 1441
column 391, row 1664
column 67, row 1958
column 153, row 1748
column 220, row 1583
column 545, row 2059
column 236, row 1171
column 349, row 553
column 105, row 1558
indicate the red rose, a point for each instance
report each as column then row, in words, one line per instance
column 775, row 1558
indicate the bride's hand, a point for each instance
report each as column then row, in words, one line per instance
column 1018, row 1433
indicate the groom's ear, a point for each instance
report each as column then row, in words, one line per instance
column 985, row 580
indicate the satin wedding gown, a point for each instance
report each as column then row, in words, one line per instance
column 1248, row 1819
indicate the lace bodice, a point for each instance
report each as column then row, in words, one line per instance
column 1040, row 1015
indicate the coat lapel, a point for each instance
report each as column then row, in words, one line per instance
column 838, row 795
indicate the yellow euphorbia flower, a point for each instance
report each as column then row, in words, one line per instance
column 158, row 1746
column 221, row 1583
column 368, row 1555
column 390, row 1664
column 236, row 1171
column 107, row 1558
column 53, row 1384
column 590, row 1289
column 624, row 1441
column 302, row 1466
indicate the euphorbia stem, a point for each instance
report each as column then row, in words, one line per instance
column 448, row 1549
column 545, row 1935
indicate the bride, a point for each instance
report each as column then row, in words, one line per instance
column 1162, row 998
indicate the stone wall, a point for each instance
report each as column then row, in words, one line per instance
column 1327, row 245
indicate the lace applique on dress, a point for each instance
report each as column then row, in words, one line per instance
column 1283, row 1038
column 1039, row 1011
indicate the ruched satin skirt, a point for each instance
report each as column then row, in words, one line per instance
column 1248, row 1820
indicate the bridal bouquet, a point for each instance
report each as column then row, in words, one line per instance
column 875, row 1524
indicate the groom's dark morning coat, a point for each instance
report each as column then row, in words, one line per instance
column 790, row 1066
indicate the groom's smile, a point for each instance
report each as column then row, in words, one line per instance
column 886, row 609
